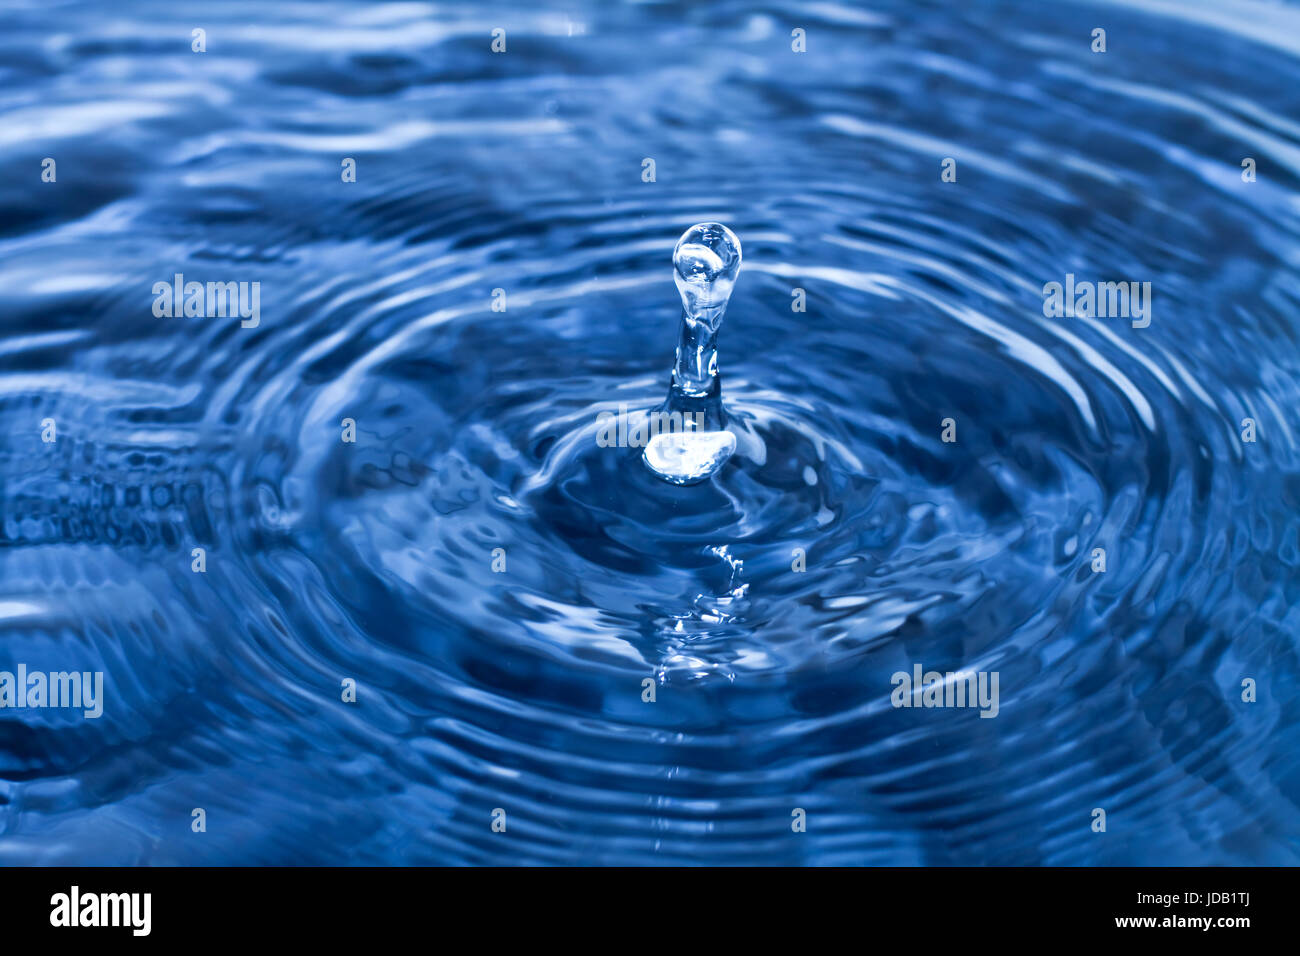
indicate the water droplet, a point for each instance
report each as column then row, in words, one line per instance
column 689, row 440
column 706, row 263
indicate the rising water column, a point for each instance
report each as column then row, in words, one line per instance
column 692, row 441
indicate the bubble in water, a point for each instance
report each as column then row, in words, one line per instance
column 690, row 440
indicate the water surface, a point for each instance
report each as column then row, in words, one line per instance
column 522, row 689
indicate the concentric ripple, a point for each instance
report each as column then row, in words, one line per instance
column 500, row 585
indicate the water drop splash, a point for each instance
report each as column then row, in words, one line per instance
column 690, row 439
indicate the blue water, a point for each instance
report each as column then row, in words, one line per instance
column 520, row 689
